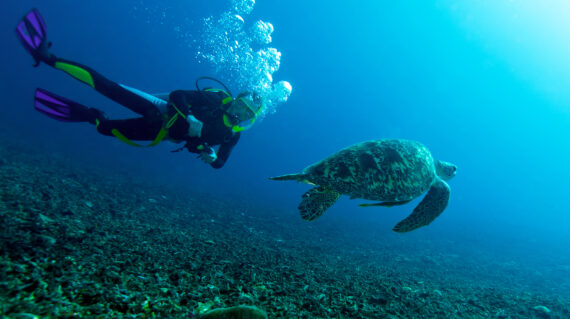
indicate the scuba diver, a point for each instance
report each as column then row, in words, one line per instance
column 202, row 118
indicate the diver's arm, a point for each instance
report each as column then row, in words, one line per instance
column 224, row 151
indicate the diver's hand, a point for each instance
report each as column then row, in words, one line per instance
column 194, row 126
column 208, row 155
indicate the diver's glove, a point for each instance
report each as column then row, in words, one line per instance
column 194, row 126
column 208, row 155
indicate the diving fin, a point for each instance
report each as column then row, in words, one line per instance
column 62, row 109
column 31, row 31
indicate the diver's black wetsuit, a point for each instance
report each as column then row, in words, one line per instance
column 206, row 106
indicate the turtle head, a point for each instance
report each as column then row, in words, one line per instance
column 445, row 170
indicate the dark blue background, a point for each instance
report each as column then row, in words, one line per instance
column 479, row 90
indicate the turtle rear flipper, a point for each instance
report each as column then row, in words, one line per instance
column 385, row 204
column 428, row 209
column 316, row 201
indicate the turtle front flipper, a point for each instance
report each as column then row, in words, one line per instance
column 316, row 201
column 288, row 177
column 428, row 209
column 299, row 177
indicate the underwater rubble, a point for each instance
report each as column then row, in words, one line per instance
column 79, row 242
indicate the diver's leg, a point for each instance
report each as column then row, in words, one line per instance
column 66, row 110
column 138, row 129
column 116, row 92
column 31, row 30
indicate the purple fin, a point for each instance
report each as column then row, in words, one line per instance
column 58, row 107
column 31, row 31
column 52, row 105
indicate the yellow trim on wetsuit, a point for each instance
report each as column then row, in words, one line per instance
column 76, row 72
column 175, row 116
column 227, row 100
column 159, row 137
column 161, row 134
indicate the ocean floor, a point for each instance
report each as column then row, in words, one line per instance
column 77, row 242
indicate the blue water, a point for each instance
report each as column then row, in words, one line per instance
column 484, row 86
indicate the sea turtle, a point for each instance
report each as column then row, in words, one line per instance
column 393, row 171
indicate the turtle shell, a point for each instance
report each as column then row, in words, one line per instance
column 383, row 170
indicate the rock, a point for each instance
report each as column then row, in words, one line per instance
column 542, row 311
column 378, row 300
column 238, row 312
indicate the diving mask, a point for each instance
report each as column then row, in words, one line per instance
column 243, row 111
